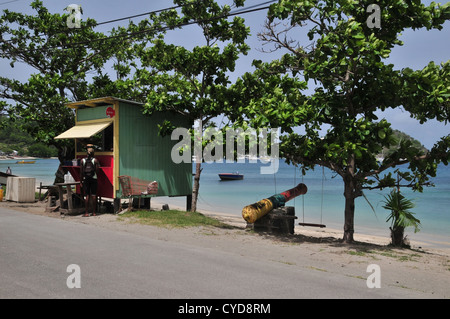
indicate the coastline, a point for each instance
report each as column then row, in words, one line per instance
column 12, row 158
column 316, row 234
column 421, row 241
column 212, row 202
column 319, row 233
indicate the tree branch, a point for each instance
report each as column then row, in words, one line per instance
column 272, row 36
column 393, row 164
column 396, row 185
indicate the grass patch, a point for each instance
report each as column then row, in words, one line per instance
column 318, row 269
column 284, row 262
column 357, row 253
column 385, row 253
column 401, row 257
column 173, row 218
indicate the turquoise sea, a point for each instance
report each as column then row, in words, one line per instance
column 324, row 202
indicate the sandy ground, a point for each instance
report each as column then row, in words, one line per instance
column 419, row 269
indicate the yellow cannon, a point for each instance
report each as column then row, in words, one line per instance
column 253, row 212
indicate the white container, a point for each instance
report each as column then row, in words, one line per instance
column 21, row 189
column 68, row 178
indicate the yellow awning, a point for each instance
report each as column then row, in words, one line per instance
column 83, row 130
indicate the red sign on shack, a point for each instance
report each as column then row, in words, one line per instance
column 110, row 112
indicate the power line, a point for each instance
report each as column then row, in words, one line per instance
column 152, row 12
column 133, row 16
column 256, row 5
column 137, row 33
column 8, row 2
column 131, row 35
column 107, row 22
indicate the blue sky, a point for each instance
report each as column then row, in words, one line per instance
column 420, row 47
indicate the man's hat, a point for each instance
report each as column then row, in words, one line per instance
column 90, row 147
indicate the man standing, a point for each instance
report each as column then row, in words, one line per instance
column 89, row 167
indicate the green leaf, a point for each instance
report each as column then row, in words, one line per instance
column 359, row 36
column 382, row 134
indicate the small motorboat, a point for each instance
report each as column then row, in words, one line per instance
column 231, row 176
column 25, row 162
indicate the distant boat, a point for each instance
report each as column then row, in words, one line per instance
column 25, row 162
column 231, row 176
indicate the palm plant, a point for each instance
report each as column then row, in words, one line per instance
column 401, row 217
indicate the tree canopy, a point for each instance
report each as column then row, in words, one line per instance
column 194, row 83
column 66, row 64
column 344, row 55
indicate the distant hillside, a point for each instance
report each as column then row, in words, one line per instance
column 12, row 138
column 403, row 136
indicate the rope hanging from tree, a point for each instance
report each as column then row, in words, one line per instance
column 321, row 225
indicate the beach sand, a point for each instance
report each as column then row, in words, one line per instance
column 425, row 271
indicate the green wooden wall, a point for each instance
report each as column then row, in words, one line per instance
column 92, row 113
column 146, row 155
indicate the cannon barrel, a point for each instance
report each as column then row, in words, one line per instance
column 253, row 212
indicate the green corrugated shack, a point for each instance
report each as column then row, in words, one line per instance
column 128, row 143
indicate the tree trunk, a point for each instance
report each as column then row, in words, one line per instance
column 195, row 189
column 64, row 154
column 349, row 212
column 350, row 193
column 397, row 236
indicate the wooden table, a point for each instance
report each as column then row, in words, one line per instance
column 49, row 189
column 68, row 190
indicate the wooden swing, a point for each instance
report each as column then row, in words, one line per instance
column 321, row 225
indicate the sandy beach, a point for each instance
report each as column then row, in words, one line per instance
column 426, row 271
column 11, row 158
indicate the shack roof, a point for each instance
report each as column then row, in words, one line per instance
column 99, row 102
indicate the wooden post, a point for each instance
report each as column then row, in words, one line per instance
column 69, row 199
column 61, row 198
column 116, row 205
column 188, row 202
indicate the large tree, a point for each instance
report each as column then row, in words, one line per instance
column 192, row 82
column 65, row 64
column 343, row 54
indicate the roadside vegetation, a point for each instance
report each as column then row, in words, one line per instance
column 172, row 218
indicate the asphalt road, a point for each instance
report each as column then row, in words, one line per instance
column 36, row 251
